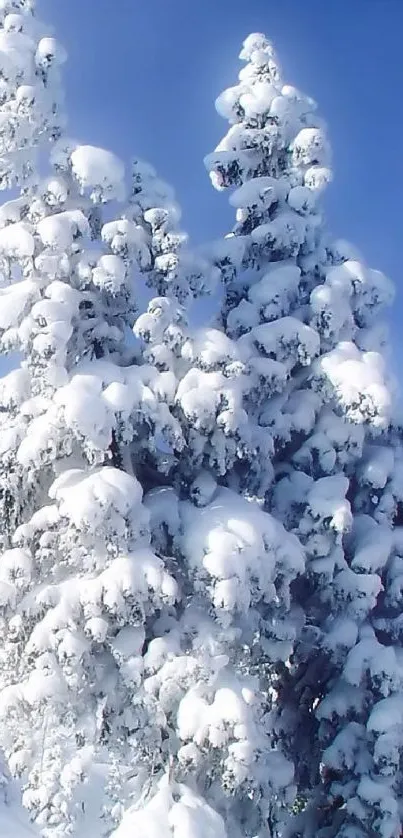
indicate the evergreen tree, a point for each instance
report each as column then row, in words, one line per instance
column 78, row 578
column 200, row 575
column 30, row 95
column 200, row 690
column 304, row 312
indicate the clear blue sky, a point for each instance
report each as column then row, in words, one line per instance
column 142, row 77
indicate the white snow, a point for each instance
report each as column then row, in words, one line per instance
column 59, row 231
column 16, row 241
column 15, row 300
column 89, row 499
column 99, row 171
column 173, row 812
column 287, row 340
column 359, row 383
column 50, row 52
column 238, row 550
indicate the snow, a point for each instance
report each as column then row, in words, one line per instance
column 210, row 348
column 371, row 290
column 110, row 273
column 342, row 632
column 317, row 178
column 373, row 545
column 123, row 237
column 134, row 576
column 99, row 171
column 358, row 592
column 50, row 52
column 256, row 192
column 327, row 500
column 163, row 507
column 89, row 499
column 168, row 645
column 14, row 302
column 276, row 291
column 359, row 383
column 378, row 661
column 10, row 211
column 386, row 715
column 310, row 147
column 16, row 241
column 286, row 232
column 239, row 550
column 14, row 388
column 85, row 409
column 301, row 199
column 287, row 340
column 173, row 812
column 16, row 54
column 378, row 466
column 14, row 821
column 253, row 46
column 59, row 231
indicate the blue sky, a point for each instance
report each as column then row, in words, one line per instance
column 142, row 77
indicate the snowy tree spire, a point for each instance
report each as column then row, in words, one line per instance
column 30, row 95
column 304, row 312
column 276, row 155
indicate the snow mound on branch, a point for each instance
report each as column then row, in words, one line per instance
column 87, row 498
column 99, row 170
column 174, row 812
column 14, row 302
column 16, row 241
column 360, row 384
column 211, row 348
column 50, row 52
column 287, row 340
column 240, row 551
column 59, row 231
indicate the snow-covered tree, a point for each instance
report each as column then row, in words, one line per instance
column 201, row 555
column 30, row 95
column 304, row 314
column 78, row 577
column 232, row 562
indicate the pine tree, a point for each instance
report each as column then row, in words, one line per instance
column 304, row 311
column 200, row 578
column 78, row 578
column 30, row 95
column 198, row 685
column 81, row 414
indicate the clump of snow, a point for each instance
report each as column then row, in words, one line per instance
column 287, row 340
column 17, row 241
column 239, row 551
column 89, row 499
column 49, row 52
column 359, row 384
column 59, row 231
column 174, row 811
column 98, row 171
